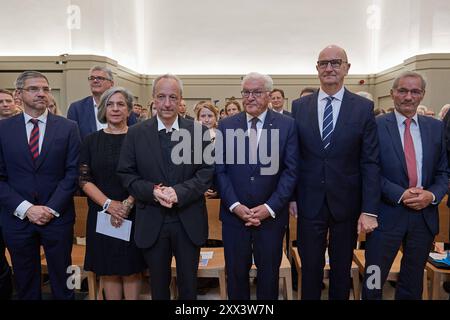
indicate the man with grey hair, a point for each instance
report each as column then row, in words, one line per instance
column 414, row 179
column 84, row 112
column 38, row 176
column 254, row 204
column 171, row 217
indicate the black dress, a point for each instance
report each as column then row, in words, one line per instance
column 98, row 162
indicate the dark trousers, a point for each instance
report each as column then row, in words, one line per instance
column 266, row 246
column 173, row 241
column 24, row 247
column 312, row 243
column 5, row 273
column 381, row 249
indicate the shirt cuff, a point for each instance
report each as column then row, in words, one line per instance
column 21, row 210
column 370, row 214
column 270, row 210
column 234, row 205
column 56, row 214
column 434, row 199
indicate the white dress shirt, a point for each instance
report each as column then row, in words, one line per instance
column 99, row 125
column 322, row 102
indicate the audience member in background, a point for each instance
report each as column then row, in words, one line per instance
column 152, row 110
column 414, row 179
column 207, row 115
column 422, row 110
column 17, row 102
column 390, row 109
column 444, row 111
column 222, row 114
column 7, row 105
column 332, row 206
column 176, row 224
column 53, row 107
column 378, row 111
column 118, row 262
column 277, row 100
column 305, row 92
column 137, row 109
column 84, row 112
column 183, row 110
column 253, row 202
column 38, row 173
column 7, row 110
column 232, row 107
column 365, row 94
column 144, row 114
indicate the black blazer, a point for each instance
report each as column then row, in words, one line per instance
column 141, row 166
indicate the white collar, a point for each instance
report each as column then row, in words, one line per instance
column 161, row 126
column 42, row 118
column 401, row 118
column 337, row 96
column 261, row 117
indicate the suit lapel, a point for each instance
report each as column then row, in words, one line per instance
column 391, row 124
column 154, row 145
column 91, row 114
column 22, row 140
column 426, row 153
column 50, row 131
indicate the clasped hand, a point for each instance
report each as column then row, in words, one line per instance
column 417, row 198
column 252, row 216
column 39, row 215
column 166, row 196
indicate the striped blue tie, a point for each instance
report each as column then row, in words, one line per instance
column 327, row 128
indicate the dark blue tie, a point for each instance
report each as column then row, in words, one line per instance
column 327, row 127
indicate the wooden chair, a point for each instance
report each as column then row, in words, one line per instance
column 216, row 266
column 326, row 271
column 79, row 250
column 360, row 259
column 437, row 275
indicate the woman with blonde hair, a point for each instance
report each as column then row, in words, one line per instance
column 232, row 107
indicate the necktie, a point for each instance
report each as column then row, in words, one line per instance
column 327, row 127
column 410, row 155
column 34, row 139
column 253, row 140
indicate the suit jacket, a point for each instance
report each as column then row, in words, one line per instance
column 287, row 113
column 244, row 182
column 83, row 113
column 347, row 173
column 141, row 167
column 394, row 176
column 51, row 181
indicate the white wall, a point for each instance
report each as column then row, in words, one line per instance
column 227, row 37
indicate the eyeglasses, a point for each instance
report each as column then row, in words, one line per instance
column 256, row 94
column 414, row 92
column 100, row 79
column 335, row 63
column 35, row 90
column 162, row 98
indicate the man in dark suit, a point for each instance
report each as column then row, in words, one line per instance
column 277, row 102
column 183, row 111
column 7, row 110
column 305, row 92
column 38, row 176
column 255, row 192
column 414, row 179
column 84, row 111
column 171, row 217
column 338, row 188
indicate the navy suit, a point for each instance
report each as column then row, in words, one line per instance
column 50, row 181
column 398, row 224
column 335, row 186
column 83, row 113
column 244, row 183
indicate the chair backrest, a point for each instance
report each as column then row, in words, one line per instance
column 214, row 224
column 444, row 222
column 81, row 212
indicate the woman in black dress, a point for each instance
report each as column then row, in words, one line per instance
column 119, row 263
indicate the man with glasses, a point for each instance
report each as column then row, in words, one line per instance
column 38, row 176
column 338, row 187
column 171, row 218
column 254, row 203
column 414, row 180
column 84, row 111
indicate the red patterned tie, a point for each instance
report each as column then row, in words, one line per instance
column 410, row 155
column 34, row 139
